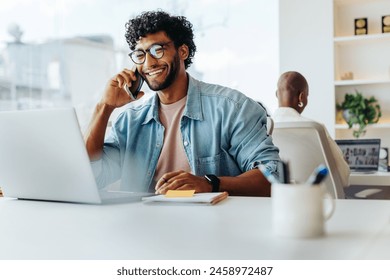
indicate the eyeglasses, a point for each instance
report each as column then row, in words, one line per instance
column 156, row 51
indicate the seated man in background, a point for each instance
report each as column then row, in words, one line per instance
column 190, row 134
column 292, row 94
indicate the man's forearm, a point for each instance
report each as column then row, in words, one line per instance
column 94, row 137
column 250, row 183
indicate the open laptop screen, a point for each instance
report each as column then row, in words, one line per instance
column 362, row 155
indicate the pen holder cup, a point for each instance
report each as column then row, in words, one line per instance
column 300, row 210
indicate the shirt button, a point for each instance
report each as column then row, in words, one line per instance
column 185, row 143
column 158, row 144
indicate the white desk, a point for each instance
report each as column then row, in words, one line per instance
column 378, row 182
column 374, row 179
column 237, row 228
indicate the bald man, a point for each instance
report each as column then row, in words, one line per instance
column 292, row 94
column 292, row 91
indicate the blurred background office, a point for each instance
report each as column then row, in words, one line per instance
column 56, row 53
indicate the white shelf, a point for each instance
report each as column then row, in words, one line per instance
column 341, row 83
column 375, row 126
column 362, row 39
column 354, row 2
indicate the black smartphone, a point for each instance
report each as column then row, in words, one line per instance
column 135, row 86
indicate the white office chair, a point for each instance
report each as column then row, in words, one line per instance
column 270, row 125
column 305, row 146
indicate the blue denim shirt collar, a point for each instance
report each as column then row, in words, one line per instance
column 193, row 109
column 153, row 111
column 194, row 104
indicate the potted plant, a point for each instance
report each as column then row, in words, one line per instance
column 359, row 112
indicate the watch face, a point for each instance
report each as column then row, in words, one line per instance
column 214, row 181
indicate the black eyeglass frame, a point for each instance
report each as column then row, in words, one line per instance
column 149, row 50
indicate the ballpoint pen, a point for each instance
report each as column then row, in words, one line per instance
column 318, row 175
column 268, row 175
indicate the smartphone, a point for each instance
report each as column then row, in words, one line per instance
column 135, row 86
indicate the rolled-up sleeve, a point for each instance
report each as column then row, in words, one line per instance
column 250, row 142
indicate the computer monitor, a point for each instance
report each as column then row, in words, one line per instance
column 362, row 155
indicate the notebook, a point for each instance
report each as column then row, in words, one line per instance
column 198, row 198
column 362, row 155
column 43, row 157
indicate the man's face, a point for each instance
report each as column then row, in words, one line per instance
column 159, row 73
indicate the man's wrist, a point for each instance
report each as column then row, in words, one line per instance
column 213, row 181
column 104, row 107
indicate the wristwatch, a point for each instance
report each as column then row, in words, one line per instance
column 213, row 181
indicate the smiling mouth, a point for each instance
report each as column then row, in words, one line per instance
column 155, row 73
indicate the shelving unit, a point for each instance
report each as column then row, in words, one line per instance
column 366, row 56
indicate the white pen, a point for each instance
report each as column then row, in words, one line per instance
column 268, row 175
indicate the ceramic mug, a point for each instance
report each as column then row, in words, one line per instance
column 299, row 210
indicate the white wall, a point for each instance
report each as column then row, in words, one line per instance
column 306, row 46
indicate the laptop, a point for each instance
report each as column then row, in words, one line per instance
column 362, row 155
column 43, row 157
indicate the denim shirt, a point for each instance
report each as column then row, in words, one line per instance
column 223, row 133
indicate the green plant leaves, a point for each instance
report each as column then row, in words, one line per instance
column 362, row 111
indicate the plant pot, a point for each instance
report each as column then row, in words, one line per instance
column 358, row 129
column 347, row 115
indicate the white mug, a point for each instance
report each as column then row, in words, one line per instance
column 298, row 210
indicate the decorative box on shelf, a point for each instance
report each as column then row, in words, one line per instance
column 361, row 27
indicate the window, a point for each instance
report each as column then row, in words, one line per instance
column 64, row 52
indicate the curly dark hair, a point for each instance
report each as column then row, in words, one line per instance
column 178, row 28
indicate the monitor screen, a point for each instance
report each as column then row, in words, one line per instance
column 361, row 154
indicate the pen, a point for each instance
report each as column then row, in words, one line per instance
column 219, row 198
column 318, row 175
column 284, row 171
column 281, row 170
column 268, row 175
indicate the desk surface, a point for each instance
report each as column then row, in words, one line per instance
column 367, row 179
column 237, row 228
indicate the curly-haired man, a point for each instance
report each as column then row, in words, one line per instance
column 190, row 134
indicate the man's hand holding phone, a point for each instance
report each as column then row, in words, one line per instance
column 116, row 93
column 135, row 88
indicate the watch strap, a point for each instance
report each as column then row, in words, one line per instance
column 213, row 181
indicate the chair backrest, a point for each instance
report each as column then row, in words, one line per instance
column 305, row 146
column 270, row 125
